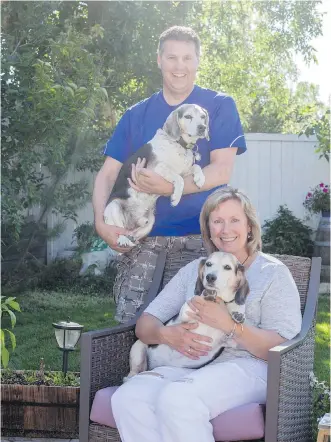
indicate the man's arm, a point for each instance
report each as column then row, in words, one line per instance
column 103, row 184
column 216, row 173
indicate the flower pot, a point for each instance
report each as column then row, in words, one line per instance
column 39, row 411
column 322, row 245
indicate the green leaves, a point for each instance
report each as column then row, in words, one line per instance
column 286, row 235
column 7, row 305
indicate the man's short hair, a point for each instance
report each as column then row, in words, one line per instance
column 179, row 33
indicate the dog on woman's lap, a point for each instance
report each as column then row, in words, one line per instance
column 220, row 277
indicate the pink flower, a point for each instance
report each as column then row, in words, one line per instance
column 325, row 190
column 309, row 195
column 322, row 185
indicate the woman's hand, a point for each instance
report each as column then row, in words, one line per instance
column 210, row 313
column 148, row 181
column 180, row 338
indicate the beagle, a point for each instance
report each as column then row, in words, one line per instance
column 220, row 277
column 170, row 154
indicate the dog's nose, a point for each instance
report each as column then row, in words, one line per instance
column 201, row 128
column 211, row 277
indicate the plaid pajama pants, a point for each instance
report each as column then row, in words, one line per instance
column 135, row 269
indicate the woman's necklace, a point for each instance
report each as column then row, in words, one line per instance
column 245, row 260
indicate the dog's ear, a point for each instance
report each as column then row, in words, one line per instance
column 207, row 125
column 242, row 289
column 199, row 288
column 171, row 126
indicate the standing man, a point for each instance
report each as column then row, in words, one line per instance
column 176, row 229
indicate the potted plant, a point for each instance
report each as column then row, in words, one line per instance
column 39, row 403
column 318, row 200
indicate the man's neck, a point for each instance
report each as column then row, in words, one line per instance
column 173, row 99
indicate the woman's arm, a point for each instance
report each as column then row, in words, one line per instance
column 253, row 339
column 151, row 330
column 280, row 316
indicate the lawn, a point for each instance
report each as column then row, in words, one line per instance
column 322, row 346
column 34, row 331
column 35, row 334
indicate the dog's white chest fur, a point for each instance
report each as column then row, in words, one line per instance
column 164, row 355
column 170, row 153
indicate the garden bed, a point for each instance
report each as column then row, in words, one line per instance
column 34, row 406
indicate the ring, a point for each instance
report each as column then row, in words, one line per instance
column 189, row 350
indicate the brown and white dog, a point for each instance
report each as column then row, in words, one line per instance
column 170, row 153
column 220, row 277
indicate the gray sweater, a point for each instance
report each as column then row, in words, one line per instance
column 272, row 304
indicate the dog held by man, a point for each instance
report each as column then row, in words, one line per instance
column 170, row 153
column 220, row 277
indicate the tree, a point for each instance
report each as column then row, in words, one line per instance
column 248, row 52
column 52, row 102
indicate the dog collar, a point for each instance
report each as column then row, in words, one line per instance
column 183, row 143
column 229, row 302
column 196, row 155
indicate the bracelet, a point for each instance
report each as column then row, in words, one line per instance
column 232, row 333
column 242, row 329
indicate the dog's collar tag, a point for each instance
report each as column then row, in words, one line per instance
column 196, row 155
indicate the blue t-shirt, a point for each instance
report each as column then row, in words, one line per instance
column 138, row 126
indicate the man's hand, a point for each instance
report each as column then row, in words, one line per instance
column 148, row 181
column 110, row 235
column 180, row 338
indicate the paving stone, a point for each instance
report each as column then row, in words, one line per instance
column 30, row 439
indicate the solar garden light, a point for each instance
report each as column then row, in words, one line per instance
column 67, row 335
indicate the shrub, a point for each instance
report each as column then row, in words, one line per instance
column 85, row 235
column 321, row 401
column 318, row 199
column 49, row 378
column 287, row 235
column 63, row 275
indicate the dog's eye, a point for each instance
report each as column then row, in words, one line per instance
column 227, row 267
column 188, row 117
column 208, row 264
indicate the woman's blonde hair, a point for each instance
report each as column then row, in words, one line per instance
column 254, row 242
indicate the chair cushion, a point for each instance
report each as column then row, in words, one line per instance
column 241, row 423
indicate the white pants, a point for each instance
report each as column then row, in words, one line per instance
column 176, row 404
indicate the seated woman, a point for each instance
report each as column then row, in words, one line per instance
column 177, row 404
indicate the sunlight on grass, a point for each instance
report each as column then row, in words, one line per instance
column 322, row 347
column 35, row 333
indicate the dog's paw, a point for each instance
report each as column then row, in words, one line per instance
column 175, row 200
column 238, row 317
column 125, row 241
column 129, row 376
column 199, row 179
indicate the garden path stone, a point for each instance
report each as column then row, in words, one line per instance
column 30, row 439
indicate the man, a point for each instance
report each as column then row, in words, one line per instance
column 176, row 229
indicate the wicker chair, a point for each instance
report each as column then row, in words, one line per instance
column 105, row 360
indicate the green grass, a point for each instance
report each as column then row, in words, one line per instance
column 34, row 331
column 322, row 346
column 35, row 334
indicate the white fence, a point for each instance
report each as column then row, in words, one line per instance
column 276, row 169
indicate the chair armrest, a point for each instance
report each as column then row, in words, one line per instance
column 105, row 354
column 289, row 400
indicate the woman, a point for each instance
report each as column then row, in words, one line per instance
column 176, row 404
